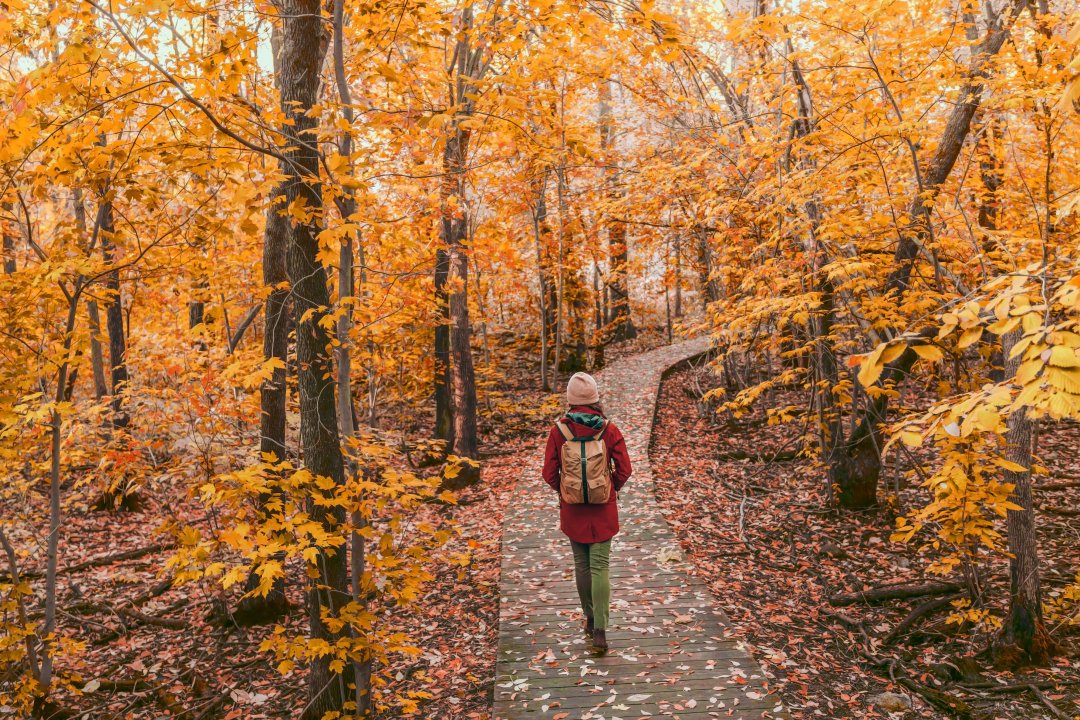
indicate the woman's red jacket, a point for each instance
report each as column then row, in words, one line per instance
column 580, row 522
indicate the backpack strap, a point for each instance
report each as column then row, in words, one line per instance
column 564, row 430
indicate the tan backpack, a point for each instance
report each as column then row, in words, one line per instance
column 586, row 476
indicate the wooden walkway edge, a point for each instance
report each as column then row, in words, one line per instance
column 673, row 653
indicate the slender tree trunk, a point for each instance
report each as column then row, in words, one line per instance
column 466, row 68
column 303, row 47
column 444, row 414
column 361, row 667
column 52, row 552
column 9, row 239
column 114, row 318
column 678, row 276
column 269, row 608
column 618, row 319
column 539, row 218
column 1023, row 637
column 598, row 339
column 97, row 356
column 560, row 284
column 710, row 292
column 455, row 229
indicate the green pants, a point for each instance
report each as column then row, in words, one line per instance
column 591, row 576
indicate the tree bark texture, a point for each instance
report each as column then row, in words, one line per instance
column 1023, row 637
column 620, row 325
column 114, row 318
column 303, row 47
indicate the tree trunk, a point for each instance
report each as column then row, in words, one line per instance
column 303, row 46
column 97, row 355
column 269, row 608
column 9, row 239
column 444, row 416
column 346, row 292
column 1023, row 637
column 678, row 277
column 710, row 291
column 467, row 66
column 539, row 218
column 254, row 609
column 572, row 348
column 618, row 320
column 454, row 235
column 114, row 318
column 860, row 466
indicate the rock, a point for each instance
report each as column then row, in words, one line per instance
column 891, row 702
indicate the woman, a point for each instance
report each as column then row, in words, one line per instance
column 590, row 527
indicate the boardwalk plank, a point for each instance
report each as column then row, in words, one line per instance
column 673, row 653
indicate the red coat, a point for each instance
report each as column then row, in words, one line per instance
column 588, row 523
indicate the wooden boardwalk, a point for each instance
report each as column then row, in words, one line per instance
column 673, row 654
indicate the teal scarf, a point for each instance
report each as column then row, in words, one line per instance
column 587, row 419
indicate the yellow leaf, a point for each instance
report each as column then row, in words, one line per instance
column 1009, row 465
column 930, row 353
column 871, row 367
column 969, row 337
column 1061, row 356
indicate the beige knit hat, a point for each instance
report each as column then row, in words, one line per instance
column 581, row 390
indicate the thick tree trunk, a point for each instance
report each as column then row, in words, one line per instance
column 1023, row 637
column 303, row 46
column 261, row 609
column 462, row 373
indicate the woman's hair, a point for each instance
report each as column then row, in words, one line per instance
column 598, row 408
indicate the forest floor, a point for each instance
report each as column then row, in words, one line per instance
column 758, row 531
column 154, row 650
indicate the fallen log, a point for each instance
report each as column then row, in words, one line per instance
column 166, row 699
column 766, row 457
column 926, row 608
column 1046, row 701
column 118, row 557
column 1058, row 510
column 142, row 617
column 894, row 592
column 1064, row 485
column 951, row 706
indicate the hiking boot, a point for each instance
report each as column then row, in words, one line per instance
column 589, row 626
column 599, row 641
